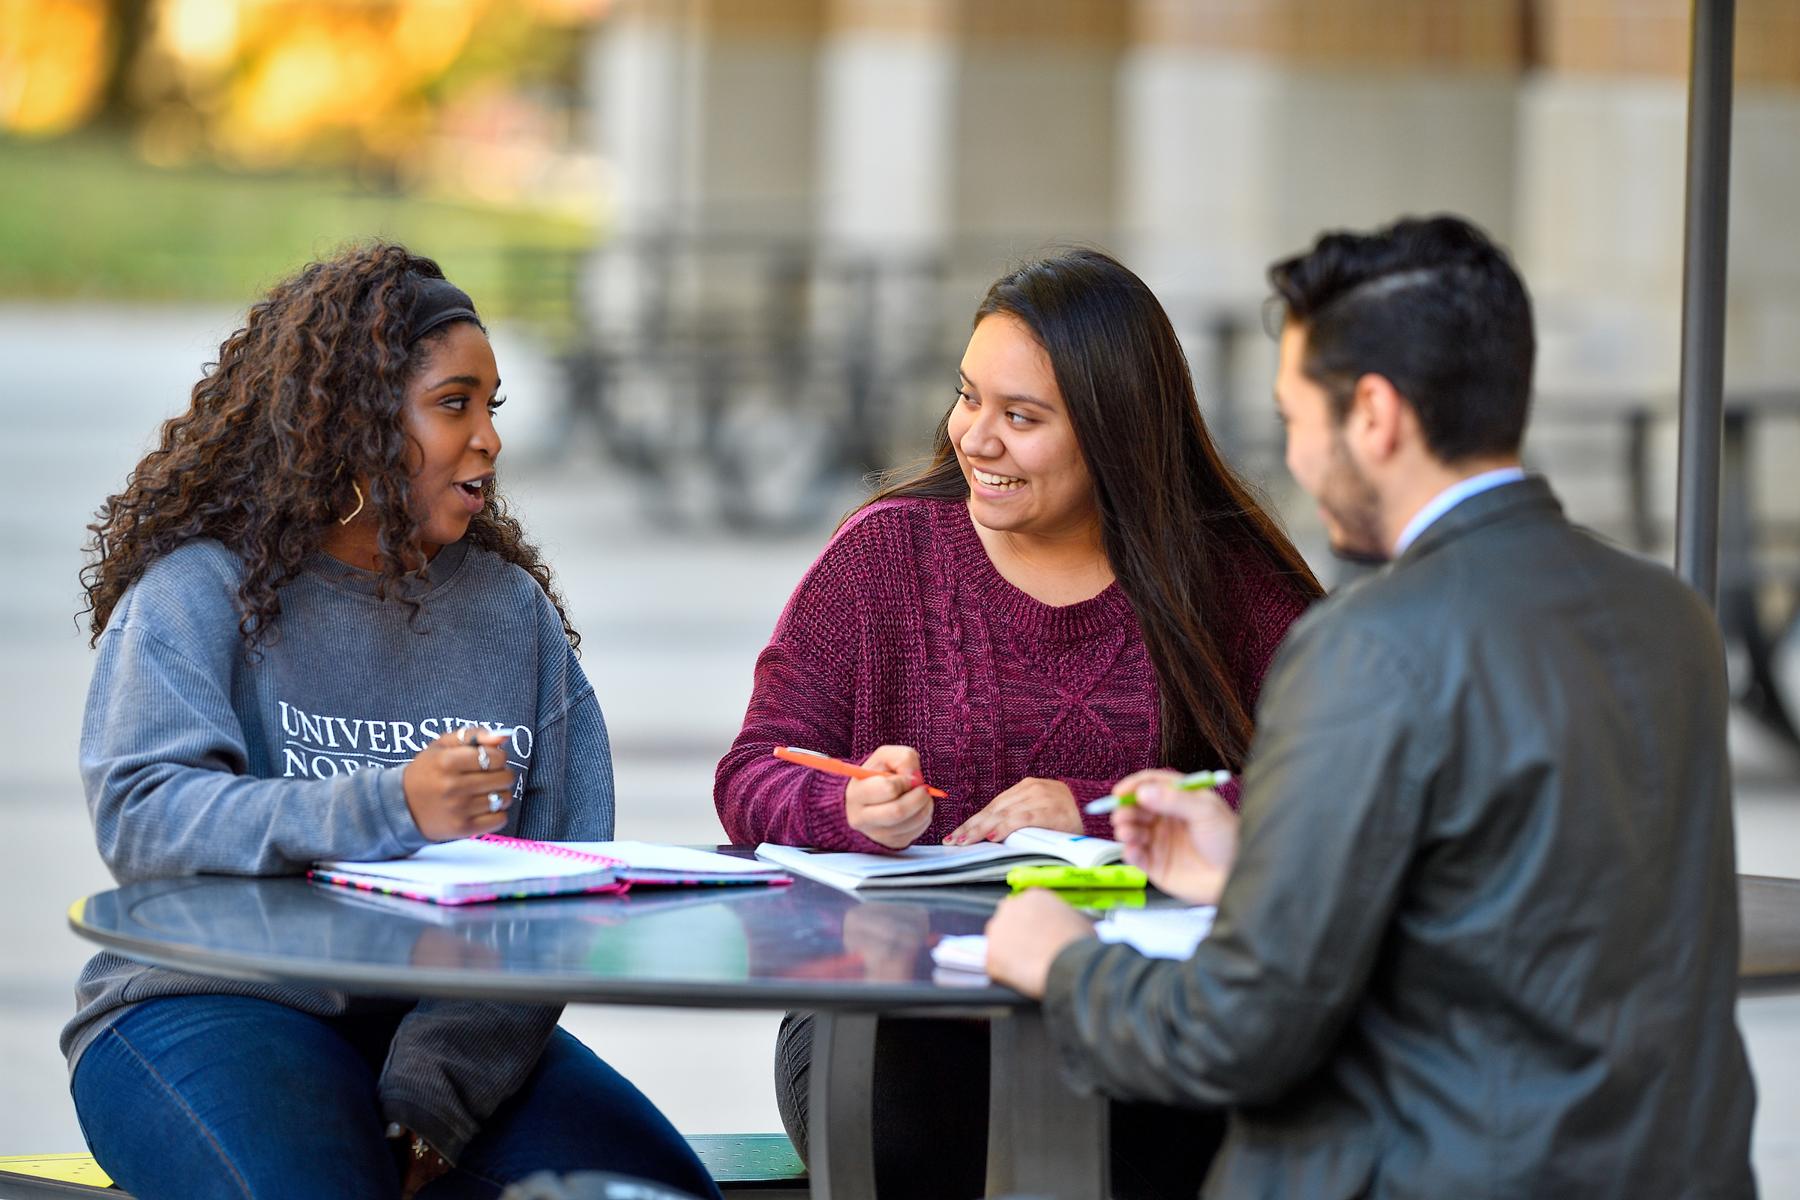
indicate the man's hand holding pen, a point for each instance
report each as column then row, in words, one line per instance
column 1185, row 841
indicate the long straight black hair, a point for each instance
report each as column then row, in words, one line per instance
column 1178, row 525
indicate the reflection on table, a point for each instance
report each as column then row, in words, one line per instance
column 846, row 957
column 755, row 946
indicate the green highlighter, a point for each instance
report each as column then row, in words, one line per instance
column 1080, row 878
column 1103, row 899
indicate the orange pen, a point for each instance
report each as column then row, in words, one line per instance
column 837, row 766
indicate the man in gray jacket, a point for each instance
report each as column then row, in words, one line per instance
column 1477, row 930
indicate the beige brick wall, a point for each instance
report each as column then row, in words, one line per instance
column 1467, row 33
column 1586, row 37
column 1090, row 23
column 1613, row 37
column 763, row 18
column 1768, row 42
column 906, row 17
column 1095, row 24
column 1583, row 37
column 1652, row 37
column 731, row 18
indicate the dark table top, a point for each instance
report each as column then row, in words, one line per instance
column 799, row 946
column 802, row 945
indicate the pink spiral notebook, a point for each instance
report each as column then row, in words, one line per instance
column 478, row 869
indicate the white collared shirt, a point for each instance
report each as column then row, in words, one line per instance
column 1452, row 496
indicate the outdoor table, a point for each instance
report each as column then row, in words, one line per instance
column 1769, row 955
column 801, row 946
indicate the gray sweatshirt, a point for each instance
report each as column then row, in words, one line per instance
column 197, row 756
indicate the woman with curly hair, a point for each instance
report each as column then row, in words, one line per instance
column 321, row 635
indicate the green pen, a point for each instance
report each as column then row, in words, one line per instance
column 1083, row 878
column 1197, row 782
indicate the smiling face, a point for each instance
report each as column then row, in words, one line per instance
column 1014, row 440
column 1319, row 457
column 449, row 420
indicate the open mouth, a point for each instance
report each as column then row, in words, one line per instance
column 473, row 492
column 999, row 483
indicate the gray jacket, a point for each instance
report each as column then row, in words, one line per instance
column 1481, row 937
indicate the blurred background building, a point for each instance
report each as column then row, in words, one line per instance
column 731, row 248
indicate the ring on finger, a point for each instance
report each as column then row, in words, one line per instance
column 481, row 757
column 496, row 802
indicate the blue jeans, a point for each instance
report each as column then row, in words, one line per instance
column 230, row 1096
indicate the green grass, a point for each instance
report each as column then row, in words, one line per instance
column 81, row 218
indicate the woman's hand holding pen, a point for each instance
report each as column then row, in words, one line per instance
column 892, row 808
column 460, row 785
column 1184, row 841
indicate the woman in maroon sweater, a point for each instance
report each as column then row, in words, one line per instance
column 1073, row 587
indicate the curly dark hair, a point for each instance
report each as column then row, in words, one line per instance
column 306, row 398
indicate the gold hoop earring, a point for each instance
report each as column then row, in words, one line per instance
column 357, row 509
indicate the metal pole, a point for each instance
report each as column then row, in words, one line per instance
column 1703, row 296
column 1044, row 1140
column 841, row 1106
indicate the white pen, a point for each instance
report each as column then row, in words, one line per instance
column 1198, row 781
column 505, row 731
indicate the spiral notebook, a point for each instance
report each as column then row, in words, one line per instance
column 478, row 869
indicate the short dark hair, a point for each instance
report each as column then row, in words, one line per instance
column 1433, row 305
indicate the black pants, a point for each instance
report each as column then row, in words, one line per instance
column 931, row 1116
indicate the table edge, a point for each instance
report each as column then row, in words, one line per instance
column 569, row 989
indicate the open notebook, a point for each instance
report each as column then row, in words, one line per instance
column 652, row 864
column 921, row 866
column 488, row 867
column 494, row 867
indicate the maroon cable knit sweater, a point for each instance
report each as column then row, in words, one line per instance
column 903, row 633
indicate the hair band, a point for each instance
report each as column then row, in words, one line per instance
column 436, row 303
